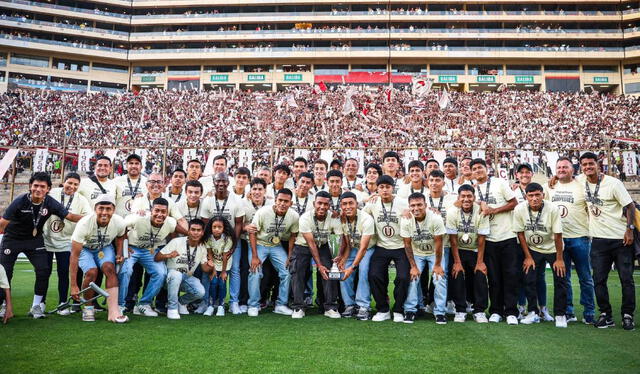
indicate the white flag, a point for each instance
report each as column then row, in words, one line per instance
column 208, row 169
column 552, row 159
column 410, row 155
column 629, row 162
column 291, row 102
column 143, row 153
column 358, row 154
column 478, row 153
column 6, row 161
column 111, row 153
column 348, row 106
column 84, row 158
column 440, row 156
column 444, row 100
column 188, row 155
column 40, row 160
column 420, row 86
column 245, row 158
column 301, row 153
column 327, row 155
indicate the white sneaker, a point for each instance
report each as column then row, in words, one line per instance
column 3, row 309
column 173, row 314
column 512, row 320
column 545, row 315
column 561, row 321
column 122, row 309
column 144, row 310
column 297, row 314
column 63, row 312
column 379, row 317
column 220, row 312
column 283, row 309
column 522, row 311
column 531, row 317
column 495, row 318
column 201, row 308
column 480, row 317
column 37, row 312
column 398, row 317
column 182, row 309
column 243, row 309
column 235, row 308
column 451, row 307
column 88, row 314
column 333, row 314
column 253, row 312
column 429, row 308
column 469, row 307
column 209, row 311
column 460, row 317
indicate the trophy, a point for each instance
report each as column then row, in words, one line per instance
column 334, row 273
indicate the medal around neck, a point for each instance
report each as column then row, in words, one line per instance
column 275, row 240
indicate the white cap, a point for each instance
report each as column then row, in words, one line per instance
column 105, row 199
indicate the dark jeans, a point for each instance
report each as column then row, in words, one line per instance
column 559, row 284
column 604, row 253
column 270, row 282
column 62, row 269
column 244, row 273
column 379, row 278
column 480, row 288
column 504, row 267
column 37, row 255
column 298, row 267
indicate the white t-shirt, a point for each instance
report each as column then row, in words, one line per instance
column 499, row 194
column 57, row 233
column 265, row 221
column 143, row 235
column 230, row 208
column 571, row 200
column 218, row 248
column 320, row 229
column 91, row 236
column 126, row 190
column 387, row 231
column 182, row 263
column 478, row 224
column 540, row 237
column 605, row 209
column 4, row 281
column 91, row 190
column 423, row 237
column 364, row 226
column 142, row 203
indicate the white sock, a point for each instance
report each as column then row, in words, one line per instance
column 37, row 299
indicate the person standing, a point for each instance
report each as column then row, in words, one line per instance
column 129, row 186
column 99, row 183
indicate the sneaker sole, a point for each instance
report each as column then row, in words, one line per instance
column 283, row 313
column 441, row 323
column 606, row 326
column 408, row 322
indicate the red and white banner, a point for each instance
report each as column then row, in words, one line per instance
column 6, row 161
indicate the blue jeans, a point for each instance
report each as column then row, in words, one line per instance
column 215, row 289
column 347, row 289
column 234, row 275
column 363, row 290
column 90, row 258
column 440, row 293
column 156, row 270
column 278, row 256
column 578, row 250
column 181, row 282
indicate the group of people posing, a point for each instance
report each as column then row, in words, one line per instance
column 462, row 242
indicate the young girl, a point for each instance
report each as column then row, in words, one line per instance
column 220, row 239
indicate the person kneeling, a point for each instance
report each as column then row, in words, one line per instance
column 182, row 256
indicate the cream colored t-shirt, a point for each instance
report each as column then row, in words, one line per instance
column 540, row 238
column 145, row 236
column 218, row 248
column 320, row 229
column 406, row 190
column 189, row 213
column 363, row 226
column 423, row 237
column 88, row 233
column 249, row 211
column 451, row 186
column 143, row 203
column 91, row 191
column 271, row 190
column 301, row 205
column 570, row 199
column 442, row 203
column 479, row 225
column 230, row 208
column 605, row 212
column 387, row 234
column 500, row 193
column 181, row 263
column 265, row 221
column 125, row 195
column 57, row 233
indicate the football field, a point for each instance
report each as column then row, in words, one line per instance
column 277, row 344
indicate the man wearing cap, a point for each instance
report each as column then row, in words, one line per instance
column 358, row 241
column 129, row 186
column 99, row 183
column 57, row 232
column 228, row 205
column 271, row 227
column 92, row 249
column 23, row 223
column 386, row 212
column 146, row 234
column 450, row 169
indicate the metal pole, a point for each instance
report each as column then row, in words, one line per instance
column 164, row 159
column 13, row 178
column 64, row 156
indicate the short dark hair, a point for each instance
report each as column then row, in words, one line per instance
column 416, row 196
column 351, row 159
column 321, row 161
column 243, row 171
column 72, row 175
column 450, row 160
column 282, row 167
column 220, row 157
column 260, row 181
column 306, row 174
column 533, row 187
column 134, row 157
column 103, row 157
column 476, row 161
column 466, row 187
column 348, row 195
column 301, row 159
column 40, row 176
column 416, row 164
column 196, row 184
column 179, row 170
column 385, row 179
column 432, row 160
column 374, row 166
column 334, row 173
column 436, row 174
column 194, row 160
column 285, row 191
column 467, row 158
column 336, row 161
column 393, row 154
column 322, row 193
column 161, row 201
column 589, row 156
column 197, row 221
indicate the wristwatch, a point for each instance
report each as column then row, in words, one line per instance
column 631, row 227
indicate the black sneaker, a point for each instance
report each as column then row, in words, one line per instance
column 363, row 314
column 604, row 321
column 409, row 317
column 349, row 312
column 441, row 319
column 627, row 323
